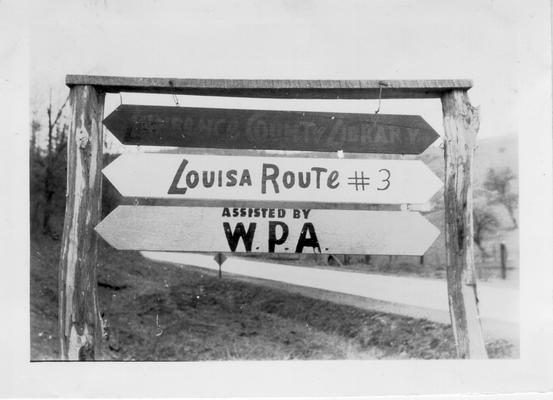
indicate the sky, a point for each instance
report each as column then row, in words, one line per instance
column 482, row 40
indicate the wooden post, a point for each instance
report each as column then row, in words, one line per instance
column 219, row 259
column 503, row 251
column 461, row 124
column 80, row 323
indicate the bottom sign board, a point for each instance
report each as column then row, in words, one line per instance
column 267, row 230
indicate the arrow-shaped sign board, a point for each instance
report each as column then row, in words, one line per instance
column 267, row 230
column 264, row 129
column 319, row 180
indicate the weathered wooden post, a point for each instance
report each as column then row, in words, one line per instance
column 461, row 124
column 503, row 251
column 80, row 325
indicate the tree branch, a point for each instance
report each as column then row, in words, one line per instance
column 60, row 111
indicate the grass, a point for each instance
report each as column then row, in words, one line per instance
column 158, row 311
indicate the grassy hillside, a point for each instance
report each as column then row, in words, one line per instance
column 493, row 152
column 159, row 311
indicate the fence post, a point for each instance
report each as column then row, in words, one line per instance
column 503, row 251
column 80, row 324
column 219, row 259
column 461, row 123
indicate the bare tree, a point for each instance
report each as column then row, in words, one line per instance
column 484, row 222
column 35, row 178
column 35, row 128
column 56, row 143
column 499, row 183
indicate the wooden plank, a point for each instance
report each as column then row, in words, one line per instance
column 258, row 230
column 79, row 319
column 177, row 176
column 144, row 201
column 461, row 123
column 275, row 88
column 265, row 129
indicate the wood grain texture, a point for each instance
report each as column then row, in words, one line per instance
column 461, row 123
column 275, row 88
column 266, row 129
column 202, row 229
column 322, row 205
column 79, row 319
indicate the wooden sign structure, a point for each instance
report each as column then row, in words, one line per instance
column 267, row 230
column 80, row 323
column 275, row 130
column 313, row 180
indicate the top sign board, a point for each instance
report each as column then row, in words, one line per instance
column 271, row 130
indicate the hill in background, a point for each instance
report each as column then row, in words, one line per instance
column 495, row 152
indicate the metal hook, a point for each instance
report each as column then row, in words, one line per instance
column 175, row 98
column 381, row 84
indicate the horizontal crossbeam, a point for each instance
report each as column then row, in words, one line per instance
column 275, row 88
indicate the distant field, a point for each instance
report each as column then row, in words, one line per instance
column 162, row 312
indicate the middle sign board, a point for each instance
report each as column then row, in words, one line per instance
column 255, row 178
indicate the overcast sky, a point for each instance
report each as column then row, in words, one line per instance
column 481, row 40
